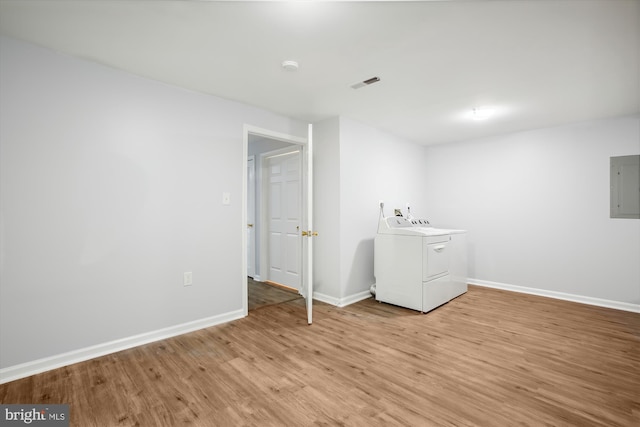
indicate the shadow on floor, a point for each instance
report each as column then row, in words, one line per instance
column 262, row 294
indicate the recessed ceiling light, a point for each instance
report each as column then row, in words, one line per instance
column 290, row 65
column 481, row 113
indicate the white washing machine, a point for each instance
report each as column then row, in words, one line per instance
column 417, row 266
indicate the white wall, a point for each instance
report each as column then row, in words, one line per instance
column 326, row 207
column 111, row 188
column 374, row 165
column 356, row 166
column 536, row 205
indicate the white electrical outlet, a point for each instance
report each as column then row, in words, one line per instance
column 188, row 278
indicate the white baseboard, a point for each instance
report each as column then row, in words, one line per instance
column 342, row 302
column 23, row 370
column 635, row 308
column 351, row 299
column 257, row 278
column 326, row 299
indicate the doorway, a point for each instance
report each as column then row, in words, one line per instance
column 281, row 210
column 274, row 191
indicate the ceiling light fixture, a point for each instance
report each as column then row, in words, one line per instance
column 290, row 65
column 482, row 113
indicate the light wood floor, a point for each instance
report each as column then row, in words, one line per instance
column 487, row 358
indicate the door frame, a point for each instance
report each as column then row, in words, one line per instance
column 261, row 132
column 251, row 206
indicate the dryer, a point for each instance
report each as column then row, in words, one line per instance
column 417, row 266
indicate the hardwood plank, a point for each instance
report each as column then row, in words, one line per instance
column 487, row 358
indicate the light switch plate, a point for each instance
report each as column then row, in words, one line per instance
column 188, row 278
column 226, row 198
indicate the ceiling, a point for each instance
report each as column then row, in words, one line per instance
column 536, row 63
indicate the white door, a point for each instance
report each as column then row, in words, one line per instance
column 284, row 217
column 307, row 279
column 251, row 216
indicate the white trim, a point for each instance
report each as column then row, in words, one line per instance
column 291, row 139
column 23, row 370
column 326, row 299
column 635, row 308
column 351, row 299
column 251, row 211
column 308, row 214
column 244, row 284
column 342, row 302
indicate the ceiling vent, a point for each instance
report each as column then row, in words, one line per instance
column 364, row 83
